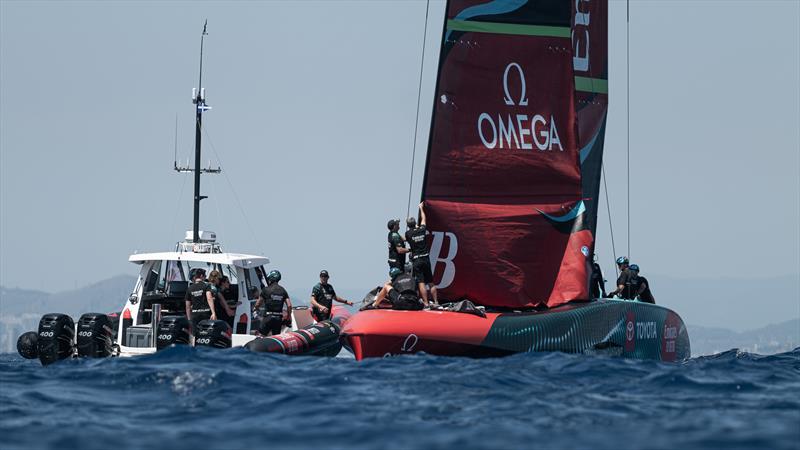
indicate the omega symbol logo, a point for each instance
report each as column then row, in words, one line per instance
column 523, row 100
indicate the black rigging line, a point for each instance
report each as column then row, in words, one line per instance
column 610, row 224
column 416, row 117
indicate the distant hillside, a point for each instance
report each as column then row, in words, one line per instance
column 777, row 338
column 21, row 309
column 736, row 304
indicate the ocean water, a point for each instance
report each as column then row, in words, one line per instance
column 205, row 398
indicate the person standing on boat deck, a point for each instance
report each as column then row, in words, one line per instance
column 597, row 284
column 322, row 297
column 640, row 287
column 420, row 259
column 401, row 291
column 271, row 305
column 623, row 279
column 397, row 247
column 199, row 299
column 221, row 309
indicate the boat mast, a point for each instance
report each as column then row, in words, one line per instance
column 199, row 99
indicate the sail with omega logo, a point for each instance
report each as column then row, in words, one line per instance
column 516, row 142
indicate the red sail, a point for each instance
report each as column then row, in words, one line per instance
column 503, row 184
column 590, row 63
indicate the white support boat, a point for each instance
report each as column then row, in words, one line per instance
column 154, row 315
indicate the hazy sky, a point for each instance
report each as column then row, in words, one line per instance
column 313, row 125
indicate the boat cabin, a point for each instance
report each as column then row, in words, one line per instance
column 164, row 279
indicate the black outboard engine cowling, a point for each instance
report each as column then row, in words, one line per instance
column 56, row 338
column 27, row 345
column 95, row 336
column 213, row 333
column 173, row 330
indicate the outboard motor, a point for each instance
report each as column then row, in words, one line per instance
column 173, row 330
column 56, row 338
column 95, row 336
column 213, row 333
column 26, row 345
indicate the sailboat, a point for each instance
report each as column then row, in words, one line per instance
column 511, row 187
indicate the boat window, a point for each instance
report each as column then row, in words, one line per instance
column 175, row 272
column 254, row 279
column 152, row 282
column 230, row 272
column 198, row 264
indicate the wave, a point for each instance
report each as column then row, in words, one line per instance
column 187, row 397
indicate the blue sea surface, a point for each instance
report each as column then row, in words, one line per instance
column 205, row 398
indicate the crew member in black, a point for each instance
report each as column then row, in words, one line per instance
column 420, row 259
column 271, row 305
column 597, row 284
column 640, row 287
column 397, row 247
column 222, row 311
column 199, row 299
column 322, row 297
column 400, row 292
column 623, row 279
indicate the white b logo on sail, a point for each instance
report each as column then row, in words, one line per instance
column 449, row 273
column 517, row 131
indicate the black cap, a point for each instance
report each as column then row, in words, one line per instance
column 392, row 223
column 324, row 273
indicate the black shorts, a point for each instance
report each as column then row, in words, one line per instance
column 271, row 325
column 403, row 302
column 422, row 270
column 319, row 316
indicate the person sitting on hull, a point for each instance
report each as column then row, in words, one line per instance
column 322, row 297
column 640, row 287
column 222, row 311
column 400, row 292
column 199, row 299
column 271, row 305
column 623, row 280
column 420, row 259
column 397, row 247
column 597, row 284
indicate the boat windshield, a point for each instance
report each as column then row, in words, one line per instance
column 162, row 273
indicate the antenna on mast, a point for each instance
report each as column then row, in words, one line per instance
column 199, row 99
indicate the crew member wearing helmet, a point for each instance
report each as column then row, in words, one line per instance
column 400, row 292
column 397, row 247
column 420, row 259
column 640, row 287
column 199, row 299
column 274, row 305
column 322, row 297
column 624, row 276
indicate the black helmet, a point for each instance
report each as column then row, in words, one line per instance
column 392, row 223
column 622, row 260
column 411, row 222
column 273, row 276
column 394, row 272
column 634, row 267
